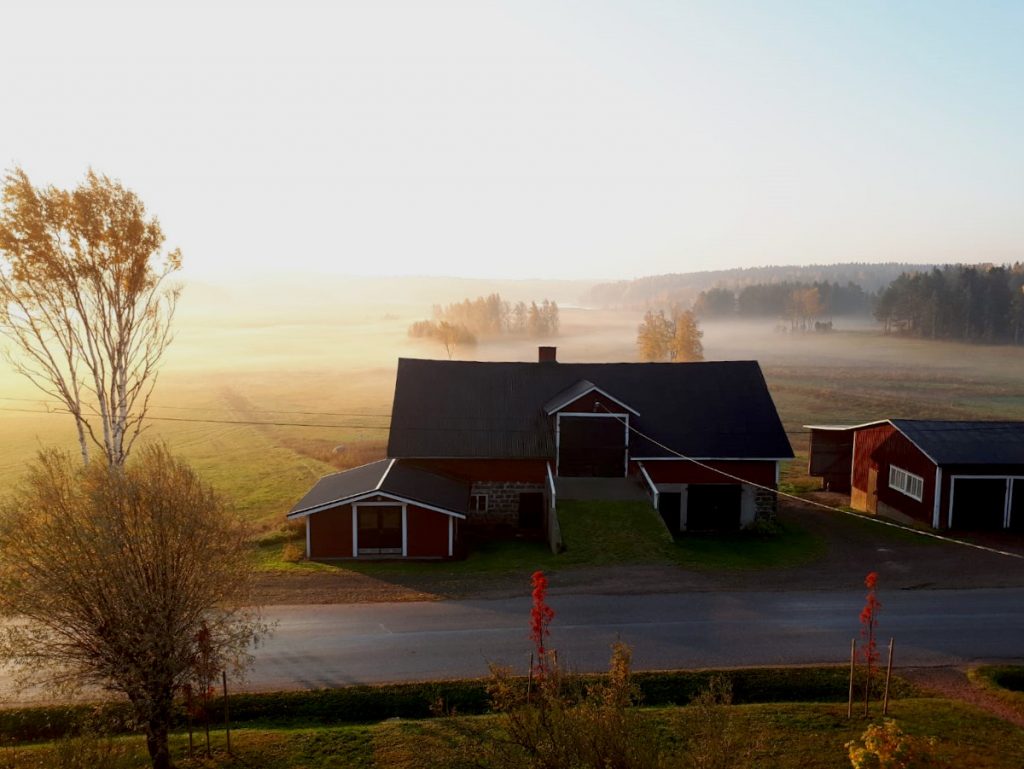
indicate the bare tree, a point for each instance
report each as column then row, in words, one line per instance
column 109, row 578
column 84, row 299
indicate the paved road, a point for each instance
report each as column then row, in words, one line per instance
column 333, row 645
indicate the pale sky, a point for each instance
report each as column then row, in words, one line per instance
column 533, row 138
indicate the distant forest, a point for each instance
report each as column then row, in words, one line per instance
column 682, row 289
column 801, row 303
column 489, row 316
column 971, row 303
column 967, row 303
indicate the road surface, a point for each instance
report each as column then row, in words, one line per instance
column 335, row 645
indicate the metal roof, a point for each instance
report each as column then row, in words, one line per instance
column 465, row 409
column 390, row 478
column 949, row 442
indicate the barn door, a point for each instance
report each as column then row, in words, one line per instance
column 380, row 529
column 592, row 446
column 872, row 500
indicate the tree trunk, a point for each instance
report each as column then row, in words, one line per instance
column 157, row 728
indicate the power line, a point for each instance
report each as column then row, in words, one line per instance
column 813, row 502
column 218, row 408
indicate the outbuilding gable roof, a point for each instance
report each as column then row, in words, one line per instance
column 389, row 478
column 456, row 409
column 949, row 442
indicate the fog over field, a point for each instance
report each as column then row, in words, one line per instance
column 270, row 384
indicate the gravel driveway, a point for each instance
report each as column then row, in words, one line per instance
column 853, row 547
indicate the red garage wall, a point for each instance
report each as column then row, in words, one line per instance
column 330, row 533
column 878, row 447
column 427, row 533
column 681, row 471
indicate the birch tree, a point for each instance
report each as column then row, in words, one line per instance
column 85, row 302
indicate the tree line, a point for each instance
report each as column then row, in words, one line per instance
column 684, row 288
column 796, row 301
column 982, row 303
column 464, row 323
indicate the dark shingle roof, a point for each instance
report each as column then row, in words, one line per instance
column 467, row 409
column 950, row 442
column 401, row 480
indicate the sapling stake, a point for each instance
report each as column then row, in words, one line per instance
column 853, row 667
column 227, row 712
column 888, row 676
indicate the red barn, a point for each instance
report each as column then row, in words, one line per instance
column 484, row 445
column 948, row 474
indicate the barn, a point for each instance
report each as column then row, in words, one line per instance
column 944, row 473
column 484, row 447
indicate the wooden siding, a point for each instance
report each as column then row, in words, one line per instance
column 330, row 533
column 427, row 533
column 682, row 471
column 879, row 447
column 504, row 470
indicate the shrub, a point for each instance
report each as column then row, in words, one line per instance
column 885, row 746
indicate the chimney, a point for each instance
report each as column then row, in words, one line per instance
column 547, row 355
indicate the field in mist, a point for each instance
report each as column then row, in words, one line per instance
column 307, row 370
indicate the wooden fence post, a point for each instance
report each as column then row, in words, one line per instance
column 888, row 676
column 853, row 662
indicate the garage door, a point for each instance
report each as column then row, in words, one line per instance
column 713, row 507
column 591, row 447
column 979, row 503
column 1017, row 505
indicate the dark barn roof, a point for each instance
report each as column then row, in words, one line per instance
column 465, row 409
column 389, row 477
column 949, row 442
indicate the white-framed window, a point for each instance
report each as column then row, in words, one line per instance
column 908, row 483
column 478, row 503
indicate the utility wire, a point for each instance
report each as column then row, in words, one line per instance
column 216, row 408
column 813, row 502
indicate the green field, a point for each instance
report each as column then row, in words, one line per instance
column 315, row 372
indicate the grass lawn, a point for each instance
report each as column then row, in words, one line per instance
column 784, row 736
column 788, row 545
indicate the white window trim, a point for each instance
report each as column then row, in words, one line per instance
column 487, row 502
column 908, row 477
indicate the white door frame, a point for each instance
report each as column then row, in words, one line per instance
column 355, row 525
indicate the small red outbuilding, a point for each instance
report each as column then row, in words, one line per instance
column 386, row 509
column 947, row 474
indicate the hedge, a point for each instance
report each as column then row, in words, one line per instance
column 371, row 704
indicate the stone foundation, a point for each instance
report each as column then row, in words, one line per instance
column 766, row 505
column 502, row 502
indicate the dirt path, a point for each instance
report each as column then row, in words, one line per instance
column 952, row 683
